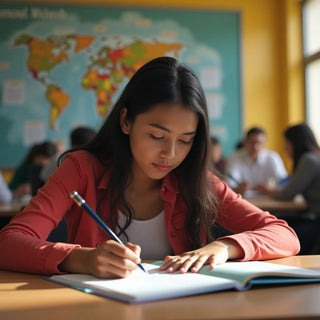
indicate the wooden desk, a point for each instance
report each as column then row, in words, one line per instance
column 269, row 204
column 10, row 209
column 25, row 296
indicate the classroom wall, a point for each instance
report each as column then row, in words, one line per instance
column 272, row 71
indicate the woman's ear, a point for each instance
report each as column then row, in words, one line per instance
column 124, row 123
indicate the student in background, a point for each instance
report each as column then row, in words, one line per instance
column 26, row 181
column 302, row 147
column 5, row 192
column 81, row 136
column 78, row 137
column 253, row 165
column 218, row 161
column 146, row 174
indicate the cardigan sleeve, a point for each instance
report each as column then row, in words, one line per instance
column 23, row 245
column 259, row 234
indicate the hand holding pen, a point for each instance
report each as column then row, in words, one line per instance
column 241, row 187
column 81, row 203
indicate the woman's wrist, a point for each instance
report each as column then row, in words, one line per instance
column 76, row 261
column 234, row 249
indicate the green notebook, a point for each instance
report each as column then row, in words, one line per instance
column 156, row 285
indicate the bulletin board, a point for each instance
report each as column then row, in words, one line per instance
column 62, row 66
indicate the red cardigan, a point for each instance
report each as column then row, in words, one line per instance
column 23, row 245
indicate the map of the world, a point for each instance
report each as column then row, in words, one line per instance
column 107, row 68
column 64, row 66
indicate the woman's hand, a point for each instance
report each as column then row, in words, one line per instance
column 264, row 189
column 110, row 260
column 242, row 188
column 216, row 252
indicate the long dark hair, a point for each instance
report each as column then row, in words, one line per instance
column 161, row 81
column 302, row 140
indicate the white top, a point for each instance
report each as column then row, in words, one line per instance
column 269, row 166
column 150, row 235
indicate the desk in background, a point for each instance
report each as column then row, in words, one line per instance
column 10, row 209
column 263, row 202
column 26, row 296
column 273, row 205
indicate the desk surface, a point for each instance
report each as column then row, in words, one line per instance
column 10, row 209
column 26, row 296
column 269, row 204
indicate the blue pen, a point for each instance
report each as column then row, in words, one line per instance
column 233, row 179
column 81, row 203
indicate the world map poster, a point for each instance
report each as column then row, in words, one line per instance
column 65, row 66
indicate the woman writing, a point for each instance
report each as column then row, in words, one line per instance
column 145, row 173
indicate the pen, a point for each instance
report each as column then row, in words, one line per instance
column 233, row 179
column 81, row 203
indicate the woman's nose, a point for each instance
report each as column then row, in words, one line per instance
column 168, row 150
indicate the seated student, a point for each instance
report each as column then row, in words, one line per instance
column 303, row 149
column 78, row 137
column 218, row 161
column 26, row 181
column 5, row 192
column 146, row 174
column 253, row 165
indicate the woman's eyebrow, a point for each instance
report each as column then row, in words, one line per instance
column 159, row 126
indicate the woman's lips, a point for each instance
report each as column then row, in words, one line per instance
column 161, row 167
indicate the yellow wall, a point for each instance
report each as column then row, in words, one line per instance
column 271, row 58
column 7, row 174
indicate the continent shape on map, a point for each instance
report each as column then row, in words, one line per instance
column 110, row 66
column 46, row 54
column 107, row 68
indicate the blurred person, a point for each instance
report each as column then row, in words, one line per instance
column 301, row 146
column 253, row 165
column 78, row 137
column 26, row 180
column 217, row 159
column 81, row 136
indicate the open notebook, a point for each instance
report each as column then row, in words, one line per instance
column 156, row 285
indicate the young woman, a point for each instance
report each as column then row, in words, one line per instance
column 302, row 147
column 145, row 174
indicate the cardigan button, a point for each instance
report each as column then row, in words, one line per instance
column 98, row 245
column 173, row 234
